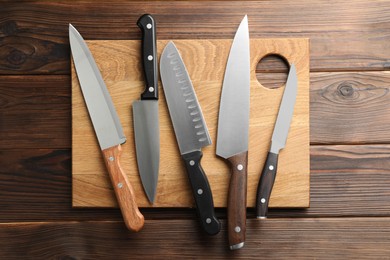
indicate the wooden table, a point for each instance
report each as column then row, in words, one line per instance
column 349, row 216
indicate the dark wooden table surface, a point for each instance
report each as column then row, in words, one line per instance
column 349, row 215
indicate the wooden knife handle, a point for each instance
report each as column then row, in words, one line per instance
column 124, row 192
column 202, row 193
column 266, row 183
column 237, row 200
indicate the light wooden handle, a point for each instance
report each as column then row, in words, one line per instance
column 237, row 200
column 124, row 192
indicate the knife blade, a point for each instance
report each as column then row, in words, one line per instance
column 145, row 111
column 106, row 125
column 190, row 130
column 278, row 142
column 233, row 130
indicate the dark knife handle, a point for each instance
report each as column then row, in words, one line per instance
column 202, row 193
column 149, row 56
column 266, row 184
column 237, row 200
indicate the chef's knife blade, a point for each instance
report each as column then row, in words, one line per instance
column 106, row 125
column 191, row 131
column 233, row 125
column 278, row 142
column 145, row 111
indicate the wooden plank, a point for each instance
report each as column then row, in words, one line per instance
column 35, row 112
column 121, row 72
column 343, row 36
column 311, row 238
column 350, row 108
column 35, row 185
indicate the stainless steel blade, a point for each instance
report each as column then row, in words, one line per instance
column 147, row 141
column 187, row 118
column 233, row 121
column 97, row 98
column 286, row 111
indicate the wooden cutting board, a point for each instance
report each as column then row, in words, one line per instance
column 119, row 63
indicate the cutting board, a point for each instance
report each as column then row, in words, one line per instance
column 120, row 65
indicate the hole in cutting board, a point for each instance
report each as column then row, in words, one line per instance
column 272, row 71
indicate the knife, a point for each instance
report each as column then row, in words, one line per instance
column 278, row 142
column 190, row 130
column 145, row 112
column 233, row 126
column 106, row 125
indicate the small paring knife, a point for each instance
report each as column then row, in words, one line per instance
column 278, row 142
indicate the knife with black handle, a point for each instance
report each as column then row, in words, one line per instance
column 278, row 142
column 190, row 130
column 145, row 111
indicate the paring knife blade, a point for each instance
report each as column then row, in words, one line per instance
column 106, row 125
column 278, row 142
column 145, row 111
column 233, row 126
column 190, row 130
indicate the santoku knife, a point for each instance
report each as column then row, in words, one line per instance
column 278, row 142
column 145, row 111
column 106, row 125
column 191, row 131
column 233, row 125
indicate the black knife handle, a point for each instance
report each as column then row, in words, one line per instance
column 266, row 184
column 202, row 193
column 149, row 56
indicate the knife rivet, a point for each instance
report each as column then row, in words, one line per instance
column 262, row 200
column 149, row 26
column 192, row 163
column 120, row 185
column 111, row 158
column 150, row 57
column 271, row 167
column 151, row 89
column 237, row 229
column 208, row 220
column 240, row 167
column 200, row 191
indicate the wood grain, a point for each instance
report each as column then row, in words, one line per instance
column 344, row 179
column 35, row 111
column 357, row 238
column 343, row 36
column 124, row 192
column 350, row 108
column 120, row 67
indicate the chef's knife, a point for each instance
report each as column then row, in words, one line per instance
column 233, row 125
column 106, row 125
column 191, row 131
column 278, row 142
column 145, row 111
